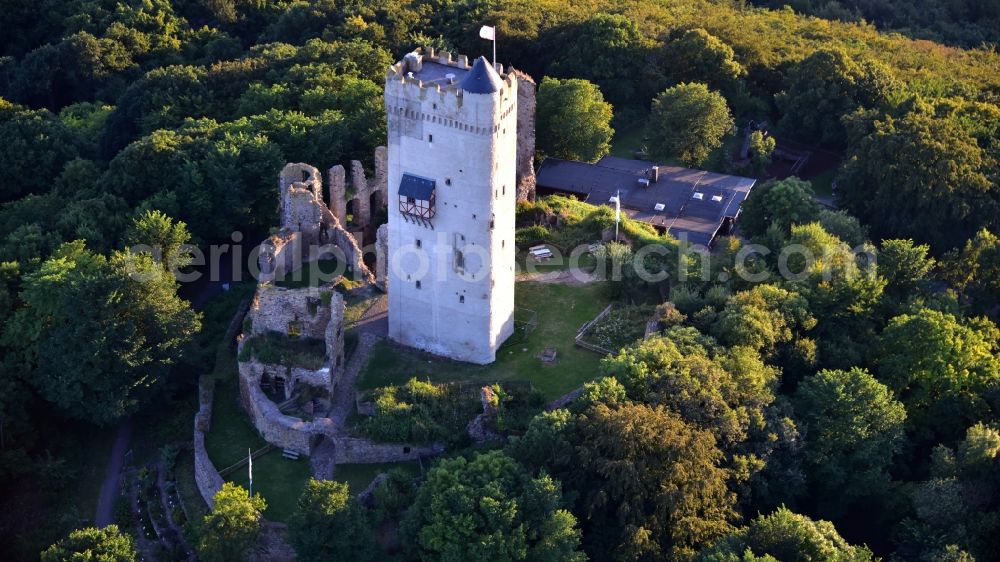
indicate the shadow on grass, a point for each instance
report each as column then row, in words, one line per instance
column 561, row 309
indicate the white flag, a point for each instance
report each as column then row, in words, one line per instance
column 488, row 32
column 618, row 207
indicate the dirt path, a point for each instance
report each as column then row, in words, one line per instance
column 111, row 486
column 372, row 327
column 563, row 277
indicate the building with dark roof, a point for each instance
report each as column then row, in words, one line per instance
column 692, row 205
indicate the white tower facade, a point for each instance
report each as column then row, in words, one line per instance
column 451, row 173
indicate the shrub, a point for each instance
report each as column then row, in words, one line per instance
column 531, row 235
column 421, row 412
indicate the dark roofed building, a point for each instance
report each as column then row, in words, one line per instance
column 689, row 204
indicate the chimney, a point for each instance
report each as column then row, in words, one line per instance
column 414, row 61
column 654, row 174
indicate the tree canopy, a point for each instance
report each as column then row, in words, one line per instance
column 489, row 508
column 232, row 529
column 853, row 426
column 688, row 121
column 93, row 545
column 328, row 524
column 574, row 121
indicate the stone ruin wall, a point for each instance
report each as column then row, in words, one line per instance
column 307, row 227
column 382, row 258
column 274, row 308
column 279, row 255
column 356, row 450
column 368, row 196
column 525, row 136
column 205, row 474
column 278, row 429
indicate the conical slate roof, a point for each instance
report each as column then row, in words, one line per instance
column 482, row 79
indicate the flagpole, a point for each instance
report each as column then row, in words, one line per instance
column 618, row 211
column 494, row 46
column 250, row 468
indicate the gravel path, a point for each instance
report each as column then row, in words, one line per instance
column 563, row 277
column 373, row 327
column 112, row 484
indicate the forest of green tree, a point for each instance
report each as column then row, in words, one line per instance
column 826, row 418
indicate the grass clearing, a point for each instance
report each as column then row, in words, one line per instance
column 562, row 310
column 187, row 489
column 627, row 141
column 822, row 183
column 313, row 274
column 278, row 479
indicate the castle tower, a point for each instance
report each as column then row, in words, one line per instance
column 452, row 187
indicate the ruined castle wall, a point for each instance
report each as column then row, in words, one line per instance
column 338, row 192
column 349, row 245
column 380, row 183
column 382, row 257
column 280, row 254
column 334, row 338
column 525, row 137
column 359, row 184
column 205, row 474
column 278, row 429
column 274, row 309
column 301, row 211
column 355, row 450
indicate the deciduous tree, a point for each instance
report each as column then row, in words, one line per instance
column 853, row 426
column 328, row 524
column 574, row 121
column 650, row 484
column 85, row 315
column 785, row 536
column 232, row 529
column 688, row 122
column 489, row 508
column 917, row 176
column 93, row 545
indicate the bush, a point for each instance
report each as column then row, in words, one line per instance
column 621, row 327
column 531, row 235
column 421, row 412
column 274, row 348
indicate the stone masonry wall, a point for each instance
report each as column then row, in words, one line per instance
column 338, row 192
column 355, row 450
column 278, row 429
column 280, row 254
column 205, row 474
column 368, row 194
column 382, row 257
column 274, row 309
column 525, row 136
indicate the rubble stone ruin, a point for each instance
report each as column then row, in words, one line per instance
column 357, row 206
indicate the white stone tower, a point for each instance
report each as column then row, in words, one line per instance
column 452, row 188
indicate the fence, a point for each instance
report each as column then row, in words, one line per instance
column 582, row 333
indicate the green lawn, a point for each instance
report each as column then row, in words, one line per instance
column 627, row 140
column 561, row 309
column 276, row 478
column 356, row 303
column 822, row 183
column 359, row 476
column 312, row 274
column 187, row 488
column 526, row 263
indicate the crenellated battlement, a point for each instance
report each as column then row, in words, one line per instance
column 410, row 72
